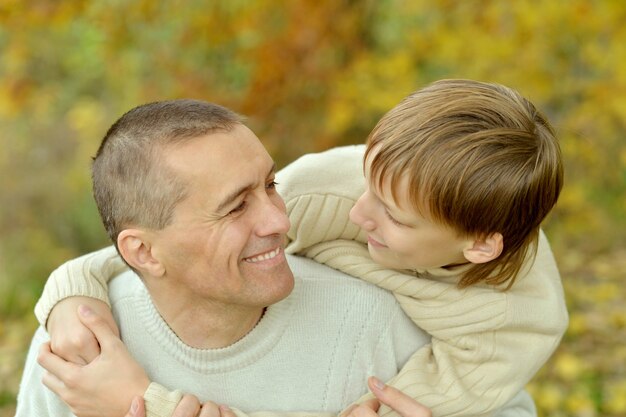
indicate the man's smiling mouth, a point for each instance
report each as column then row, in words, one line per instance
column 264, row 256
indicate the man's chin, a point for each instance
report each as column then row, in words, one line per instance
column 284, row 283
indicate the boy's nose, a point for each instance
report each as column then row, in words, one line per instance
column 359, row 216
column 368, row 225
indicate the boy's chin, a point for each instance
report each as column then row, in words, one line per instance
column 388, row 260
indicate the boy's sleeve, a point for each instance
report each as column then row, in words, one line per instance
column 319, row 190
column 486, row 344
column 160, row 402
column 86, row 276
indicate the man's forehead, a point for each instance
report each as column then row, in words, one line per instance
column 218, row 149
column 220, row 163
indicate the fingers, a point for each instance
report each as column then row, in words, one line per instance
column 226, row 412
column 53, row 383
column 372, row 404
column 80, row 349
column 361, row 410
column 94, row 322
column 348, row 411
column 189, row 406
column 397, row 400
column 137, row 408
column 366, row 408
column 55, row 366
column 71, row 340
column 209, row 409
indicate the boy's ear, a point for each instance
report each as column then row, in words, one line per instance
column 136, row 248
column 485, row 249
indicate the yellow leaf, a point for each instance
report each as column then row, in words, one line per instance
column 615, row 397
column 568, row 366
column 549, row 398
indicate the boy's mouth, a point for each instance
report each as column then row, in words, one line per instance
column 375, row 243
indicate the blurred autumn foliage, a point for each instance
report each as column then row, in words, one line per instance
column 312, row 74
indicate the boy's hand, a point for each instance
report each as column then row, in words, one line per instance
column 69, row 338
column 367, row 408
column 397, row 400
column 189, row 406
column 401, row 403
column 105, row 386
column 137, row 408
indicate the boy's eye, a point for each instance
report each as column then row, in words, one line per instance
column 271, row 185
column 394, row 221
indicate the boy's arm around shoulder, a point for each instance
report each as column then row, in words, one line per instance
column 86, row 276
column 502, row 339
column 319, row 190
column 537, row 299
column 486, row 344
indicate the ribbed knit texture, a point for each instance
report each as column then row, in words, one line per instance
column 85, row 276
column 311, row 352
column 486, row 343
column 159, row 401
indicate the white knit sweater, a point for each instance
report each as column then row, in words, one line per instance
column 486, row 344
column 312, row 351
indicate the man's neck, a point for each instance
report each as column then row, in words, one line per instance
column 200, row 323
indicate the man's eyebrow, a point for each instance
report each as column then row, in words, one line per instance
column 272, row 170
column 241, row 190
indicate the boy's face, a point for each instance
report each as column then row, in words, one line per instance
column 401, row 238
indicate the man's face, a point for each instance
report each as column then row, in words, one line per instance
column 225, row 243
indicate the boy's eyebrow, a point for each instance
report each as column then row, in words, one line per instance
column 391, row 210
column 379, row 197
column 241, row 190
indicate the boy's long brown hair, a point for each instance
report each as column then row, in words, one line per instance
column 480, row 158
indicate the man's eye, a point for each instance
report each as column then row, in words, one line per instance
column 239, row 208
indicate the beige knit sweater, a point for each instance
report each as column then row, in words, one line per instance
column 486, row 343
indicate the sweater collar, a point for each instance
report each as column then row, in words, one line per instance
column 247, row 350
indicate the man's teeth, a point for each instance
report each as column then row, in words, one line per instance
column 264, row 257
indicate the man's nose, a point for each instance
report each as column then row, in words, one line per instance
column 273, row 218
column 359, row 214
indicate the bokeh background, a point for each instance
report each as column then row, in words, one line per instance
column 312, row 74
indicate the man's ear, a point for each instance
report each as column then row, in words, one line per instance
column 136, row 248
column 484, row 249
